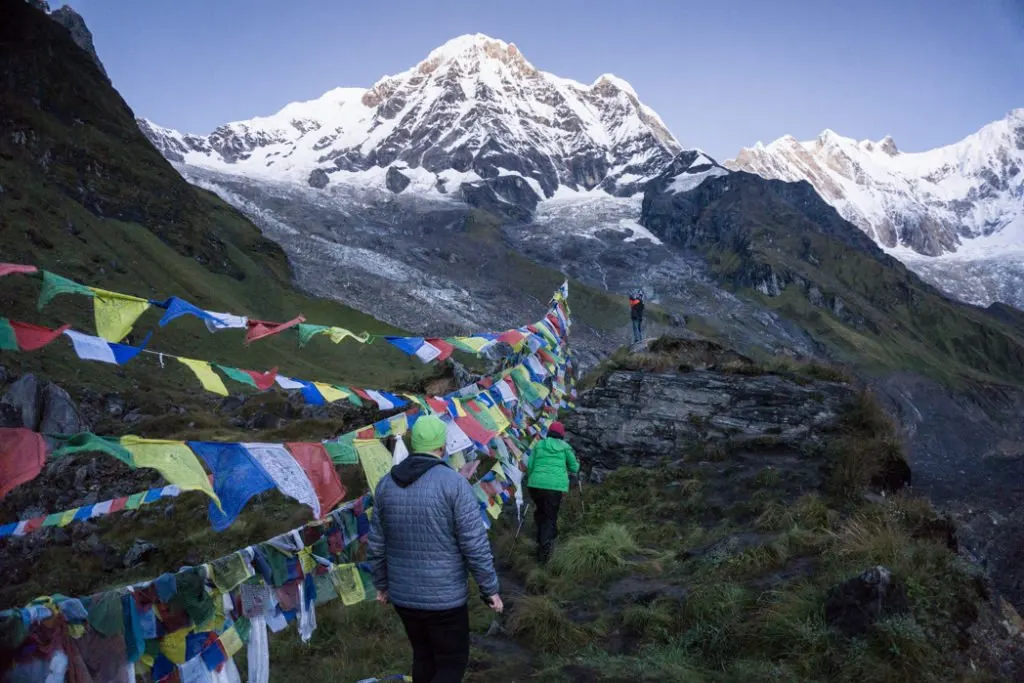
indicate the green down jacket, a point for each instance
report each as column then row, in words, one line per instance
column 550, row 463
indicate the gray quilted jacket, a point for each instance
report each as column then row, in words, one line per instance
column 425, row 533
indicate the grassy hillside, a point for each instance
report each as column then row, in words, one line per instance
column 85, row 195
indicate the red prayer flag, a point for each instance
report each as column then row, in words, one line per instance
column 22, row 456
column 11, row 268
column 474, row 430
column 363, row 395
column 438, row 405
column 31, row 337
column 444, row 347
column 511, row 337
column 34, row 524
column 264, row 380
column 553, row 319
column 258, row 329
column 318, row 467
column 118, row 504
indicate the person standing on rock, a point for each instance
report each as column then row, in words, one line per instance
column 636, row 314
column 425, row 532
column 547, row 478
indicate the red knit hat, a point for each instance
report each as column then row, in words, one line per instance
column 556, row 429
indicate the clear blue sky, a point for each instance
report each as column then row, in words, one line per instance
column 723, row 74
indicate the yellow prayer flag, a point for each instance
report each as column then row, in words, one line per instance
column 116, row 313
column 475, row 343
column 231, row 641
column 399, row 424
column 337, row 334
column 494, row 509
column 172, row 459
column 306, row 560
column 210, row 380
column 67, row 517
column 374, row 458
column 330, row 393
column 499, row 418
column 348, row 583
column 172, row 645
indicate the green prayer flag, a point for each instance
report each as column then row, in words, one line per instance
column 8, row 340
column 52, row 520
column 307, row 332
column 86, row 443
column 343, row 450
column 55, row 285
column 353, row 397
column 134, row 501
column 238, row 375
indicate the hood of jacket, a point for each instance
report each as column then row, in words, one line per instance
column 412, row 468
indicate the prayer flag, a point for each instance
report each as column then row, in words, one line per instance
column 375, row 459
column 33, row 337
column 55, row 285
column 174, row 460
column 22, row 456
column 316, row 462
column 287, row 474
column 258, row 329
column 210, row 380
column 116, row 313
column 12, row 268
column 236, row 479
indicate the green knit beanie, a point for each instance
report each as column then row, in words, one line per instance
column 428, row 434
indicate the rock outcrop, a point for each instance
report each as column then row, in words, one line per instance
column 40, row 406
column 643, row 418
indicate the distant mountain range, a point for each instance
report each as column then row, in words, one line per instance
column 955, row 214
column 478, row 124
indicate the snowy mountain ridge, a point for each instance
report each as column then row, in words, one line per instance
column 474, row 112
column 964, row 199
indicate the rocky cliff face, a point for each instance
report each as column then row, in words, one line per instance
column 459, row 123
column 652, row 419
column 67, row 17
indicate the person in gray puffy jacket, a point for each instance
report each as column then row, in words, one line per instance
column 425, row 533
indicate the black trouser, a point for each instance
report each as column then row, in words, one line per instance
column 545, row 514
column 440, row 643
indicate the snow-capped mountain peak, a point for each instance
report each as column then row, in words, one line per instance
column 473, row 111
column 945, row 200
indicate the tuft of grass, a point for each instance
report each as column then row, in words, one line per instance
column 540, row 622
column 650, row 622
column 596, row 556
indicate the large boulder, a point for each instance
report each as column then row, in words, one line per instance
column 60, row 414
column 22, row 403
column 396, row 180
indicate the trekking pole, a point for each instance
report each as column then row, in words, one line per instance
column 583, row 502
column 522, row 520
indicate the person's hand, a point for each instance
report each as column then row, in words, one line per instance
column 496, row 604
column 383, row 597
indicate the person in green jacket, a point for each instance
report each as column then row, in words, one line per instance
column 547, row 479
